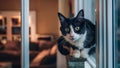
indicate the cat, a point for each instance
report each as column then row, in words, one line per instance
column 78, row 36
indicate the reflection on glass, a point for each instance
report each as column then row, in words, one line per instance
column 10, row 49
column 118, row 32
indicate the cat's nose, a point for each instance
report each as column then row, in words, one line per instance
column 71, row 35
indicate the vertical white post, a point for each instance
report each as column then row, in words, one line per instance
column 25, row 33
column 104, row 16
column 110, row 33
column 99, row 38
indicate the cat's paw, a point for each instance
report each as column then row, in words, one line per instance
column 76, row 54
column 84, row 53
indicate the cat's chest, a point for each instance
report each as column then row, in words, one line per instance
column 80, row 45
column 80, row 42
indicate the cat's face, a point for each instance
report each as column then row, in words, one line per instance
column 72, row 28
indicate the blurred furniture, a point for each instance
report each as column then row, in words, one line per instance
column 10, row 25
column 46, row 58
column 11, row 52
column 5, row 65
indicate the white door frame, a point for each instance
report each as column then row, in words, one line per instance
column 25, row 33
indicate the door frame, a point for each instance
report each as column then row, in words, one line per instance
column 25, row 33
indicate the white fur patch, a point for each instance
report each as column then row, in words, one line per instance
column 79, row 43
column 76, row 54
column 84, row 52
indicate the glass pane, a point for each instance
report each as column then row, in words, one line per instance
column 43, row 33
column 117, row 32
column 10, row 34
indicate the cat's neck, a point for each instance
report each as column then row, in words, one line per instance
column 80, row 42
column 83, row 37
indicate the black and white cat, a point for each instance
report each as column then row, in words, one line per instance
column 78, row 36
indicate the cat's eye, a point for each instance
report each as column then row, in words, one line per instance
column 67, row 29
column 77, row 28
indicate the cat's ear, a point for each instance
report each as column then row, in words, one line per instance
column 80, row 14
column 62, row 18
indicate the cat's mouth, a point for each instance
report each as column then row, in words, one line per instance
column 72, row 39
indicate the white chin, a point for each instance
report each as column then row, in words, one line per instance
column 74, row 40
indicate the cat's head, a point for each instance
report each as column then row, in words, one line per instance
column 72, row 28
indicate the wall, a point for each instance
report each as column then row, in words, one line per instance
column 46, row 10
column 64, row 7
column 46, row 15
